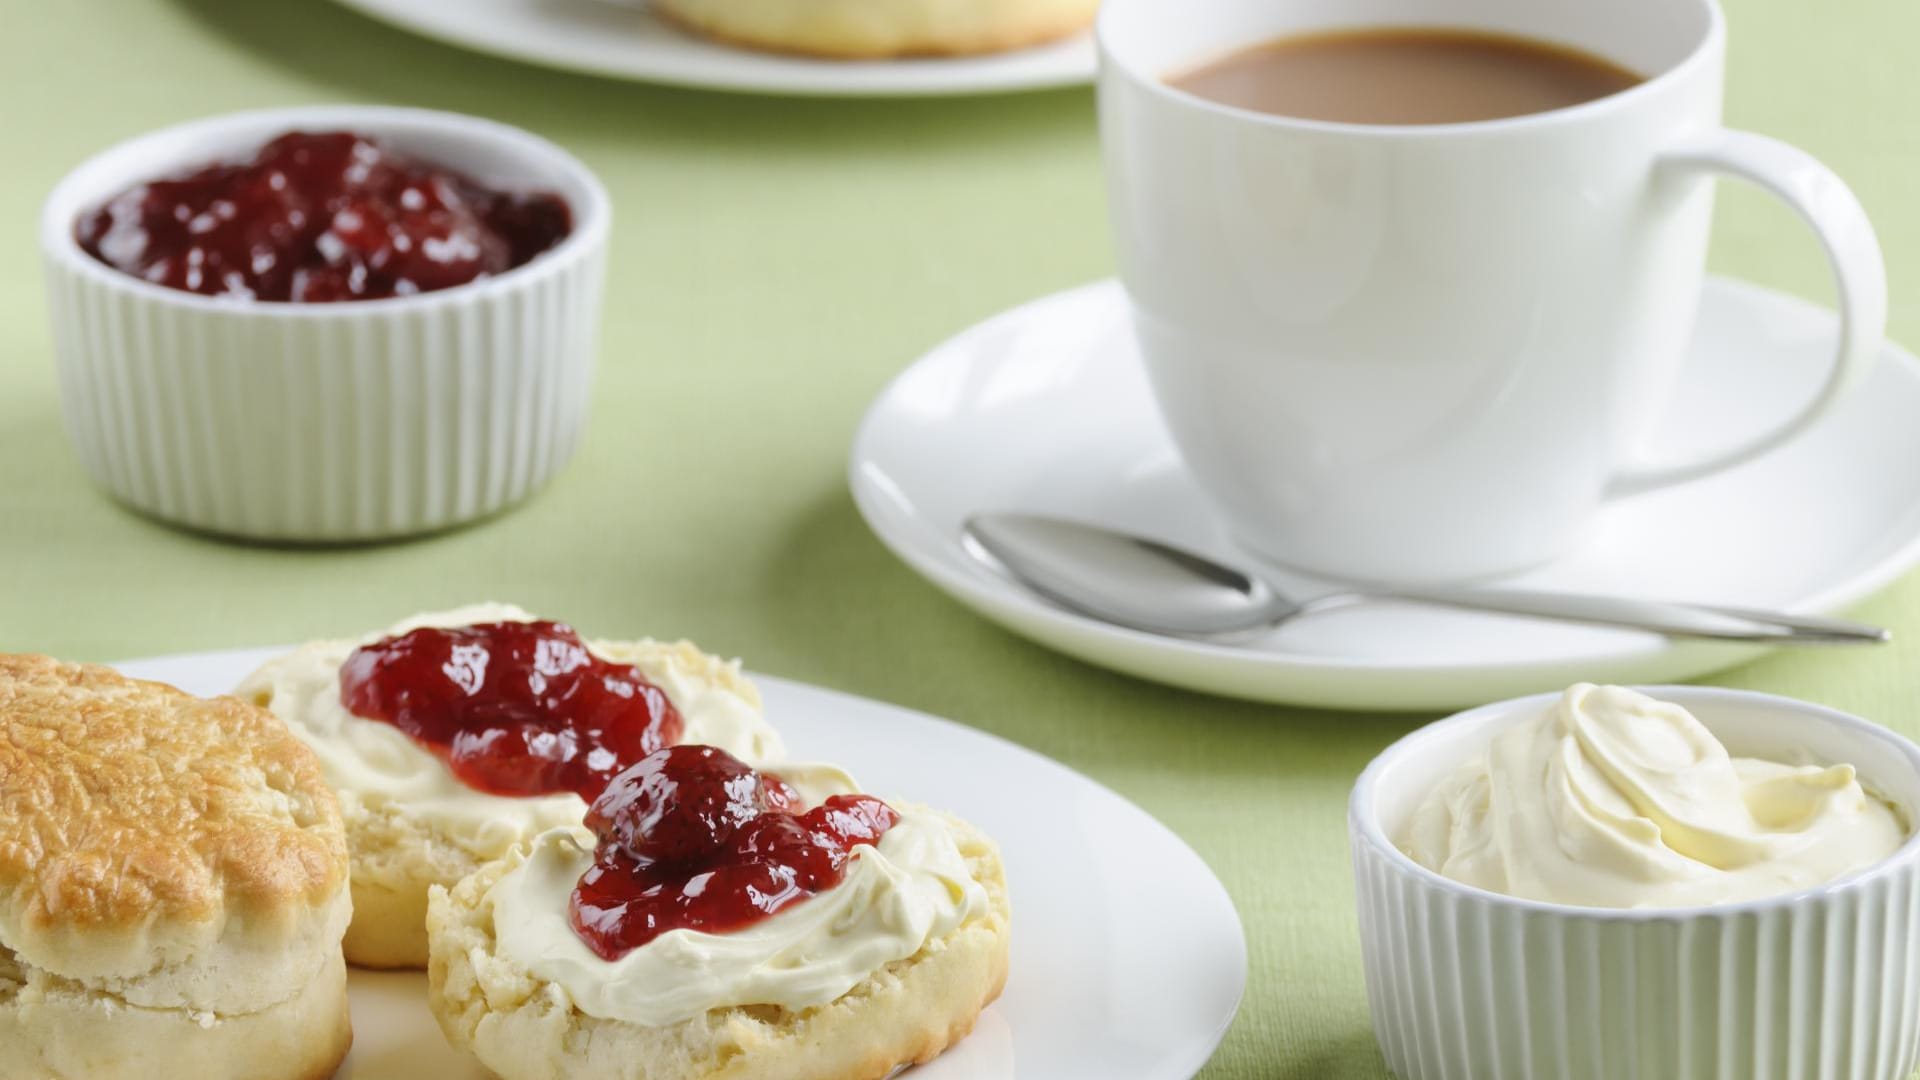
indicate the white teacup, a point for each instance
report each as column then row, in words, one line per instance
column 1432, row 352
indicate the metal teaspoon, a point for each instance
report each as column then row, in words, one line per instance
column 1153, row 587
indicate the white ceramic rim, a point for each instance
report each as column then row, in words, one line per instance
column 83, row 187
column 1366, row 823
column 1155, row 82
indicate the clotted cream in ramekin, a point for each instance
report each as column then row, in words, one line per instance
column 1822, row 981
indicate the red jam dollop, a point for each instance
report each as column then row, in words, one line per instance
column 513, row 708
column 319, row 217
column 691, row 838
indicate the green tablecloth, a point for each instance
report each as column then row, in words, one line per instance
column 775, row 262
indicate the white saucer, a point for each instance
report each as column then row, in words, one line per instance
column 1045, row 408
column 623, row 40
column 1128, row 958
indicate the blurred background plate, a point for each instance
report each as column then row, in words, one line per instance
column 625, row 41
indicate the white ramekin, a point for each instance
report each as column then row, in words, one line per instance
column 328, row 422
column 1470, row 985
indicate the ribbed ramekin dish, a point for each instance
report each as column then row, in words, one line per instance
column 353, row 421
column 1465, row 984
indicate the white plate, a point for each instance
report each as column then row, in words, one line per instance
column 625, row 41
column 1046, row 408
column 1128, row 958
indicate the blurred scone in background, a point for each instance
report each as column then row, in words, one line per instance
column 875, row 29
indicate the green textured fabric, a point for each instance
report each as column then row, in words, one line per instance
column 774, row 263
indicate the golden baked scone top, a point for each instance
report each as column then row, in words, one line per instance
column 123, row 802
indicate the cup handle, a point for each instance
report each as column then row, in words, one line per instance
column 1825, row 202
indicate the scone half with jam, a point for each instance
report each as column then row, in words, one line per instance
column 454, row 737
column 173, row 885
column 727, row 925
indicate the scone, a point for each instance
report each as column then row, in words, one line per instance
column 173, row 885
column 724, row 929
column 875, row 29
column 421, row 813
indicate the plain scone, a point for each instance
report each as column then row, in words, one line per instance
column 398, row 854
column 877, row 29
column 173, row 885
column 524, row 1028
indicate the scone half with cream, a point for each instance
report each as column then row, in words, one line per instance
column 454, row 737
column 173, row 885
column 727, row 925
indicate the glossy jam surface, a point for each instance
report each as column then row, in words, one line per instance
column 691, row 838
column 320, row 217
column 513, row 708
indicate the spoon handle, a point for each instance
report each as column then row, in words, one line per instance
column 1660, row 616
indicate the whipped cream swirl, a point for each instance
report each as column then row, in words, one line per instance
column 1613, row 799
